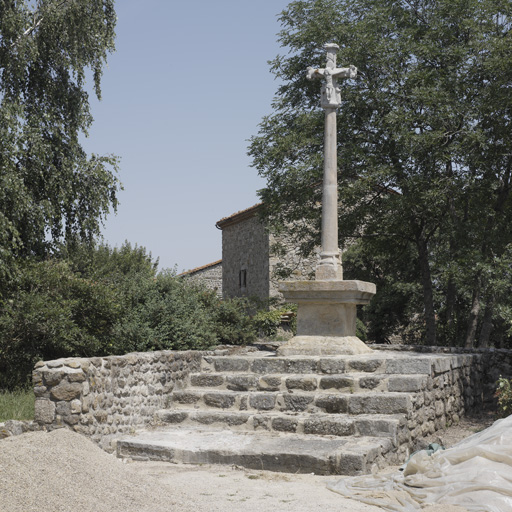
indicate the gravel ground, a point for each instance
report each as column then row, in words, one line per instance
column 62, row 471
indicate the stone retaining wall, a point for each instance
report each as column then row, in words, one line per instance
column 102, row 397
column 107, row 396
column 487, row 365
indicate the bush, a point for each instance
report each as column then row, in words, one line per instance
column 103, row 301
column 504, row 396
column 53, row 313
column 267, row 322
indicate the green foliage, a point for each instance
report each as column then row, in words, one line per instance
column 424, row 147
column 100, row 301
column 17, row 405
column 504, row 396
column 53, row 313
column 50, row 190
column 268, row 321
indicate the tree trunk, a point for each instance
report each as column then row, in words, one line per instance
column 451, row 293
column 487, row 326
column 473, row 314
column 428, row 294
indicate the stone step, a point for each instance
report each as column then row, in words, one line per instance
column 375, row 363
column 312, row 402
column 374, row 425
column 261, row 450
column 345, row 382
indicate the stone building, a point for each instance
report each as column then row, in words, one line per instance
column 249, row 263
column 210, row 275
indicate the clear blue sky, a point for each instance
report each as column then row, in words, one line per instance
column 187, row 86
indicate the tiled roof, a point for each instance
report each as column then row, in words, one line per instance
column 204, row 267
column 238, row 216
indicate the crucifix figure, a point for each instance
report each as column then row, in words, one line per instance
column 330, row 268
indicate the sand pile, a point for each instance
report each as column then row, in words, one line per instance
column 63, row 471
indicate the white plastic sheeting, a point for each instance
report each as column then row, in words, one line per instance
column 475, row 474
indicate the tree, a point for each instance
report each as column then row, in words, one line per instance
column 50, row 191
column 424, row 141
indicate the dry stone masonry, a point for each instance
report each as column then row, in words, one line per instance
column 336, row 414
column 102, row 397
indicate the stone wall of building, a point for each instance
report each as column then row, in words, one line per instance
column 102, row 397
column 209, row 276
column 245, row 259
column 284, row 255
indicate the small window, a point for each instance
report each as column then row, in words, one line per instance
column 242, row 279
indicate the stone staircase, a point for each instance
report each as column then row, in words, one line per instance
column 326, row 415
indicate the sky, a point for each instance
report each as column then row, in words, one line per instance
column 185, row 90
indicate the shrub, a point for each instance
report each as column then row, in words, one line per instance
column 53, row 313
column 233, row 325
column 504, row 396
column 108, row 301
column 267, row 322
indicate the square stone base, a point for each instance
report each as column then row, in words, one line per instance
column 323, row 346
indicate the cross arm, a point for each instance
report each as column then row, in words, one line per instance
column 350, row 72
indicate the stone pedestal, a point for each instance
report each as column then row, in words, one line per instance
column 326, row 316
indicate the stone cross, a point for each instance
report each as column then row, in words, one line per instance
column 329, row 267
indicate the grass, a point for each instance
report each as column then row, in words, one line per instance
column 17, row 405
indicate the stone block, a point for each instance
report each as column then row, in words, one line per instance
column 41, row 392
column 58, row 363
column 73, row 363
column 76, row 407
column 77, row 376
column 66, row 391
column 365, row 365
column 337, row 382
column 282, row 424
column 230, row 364
column 303, row 383
column 71, row 419
column 306, row 365
column 269, row 383
column 332, row 365
column 410, row 365
column 262, row 402
column 326, row 427
column 37, row 378
column 206, row 380
column 407, row 383
column 351, row 464
column 379, row 404
column 169, row 416
column 332, row 404
column 184, row 397
column 370, row 382
column 219, row 400
column 44, row 411
column 53, row 377
column 63, row 408
column 241, row 382
column 261, row 422
column 376, row 427
column 269, row 365
column 296, row 403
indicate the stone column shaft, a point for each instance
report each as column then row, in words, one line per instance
column 329, row 267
